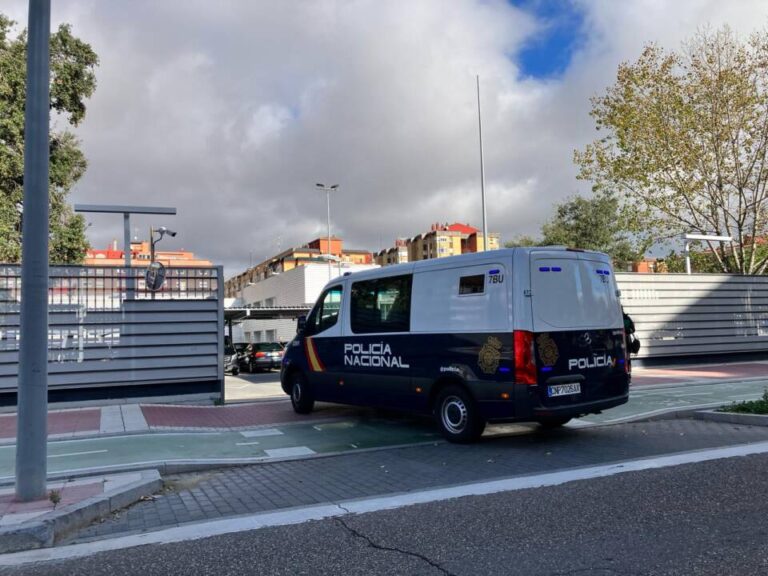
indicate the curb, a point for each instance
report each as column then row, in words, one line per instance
column 732, row 418
column 48, row 529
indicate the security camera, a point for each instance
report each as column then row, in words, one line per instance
column 163, row 231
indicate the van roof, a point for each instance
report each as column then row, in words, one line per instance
column 459, row 260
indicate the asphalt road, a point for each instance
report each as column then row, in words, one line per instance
column 705, row 518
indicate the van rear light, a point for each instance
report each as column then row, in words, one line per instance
column 525, row 361
column 259, row 354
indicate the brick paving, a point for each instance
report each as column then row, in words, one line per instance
column 681, row 374
column 239, row 416
column 62, row 422
column 278, row 485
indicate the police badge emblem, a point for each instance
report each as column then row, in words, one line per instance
column 547, row 350
column 489, row 356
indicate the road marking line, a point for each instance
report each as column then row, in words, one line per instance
column 202, row 530
column 259, row 433
column 292, row 451
column 245, row 443
column 77, row 453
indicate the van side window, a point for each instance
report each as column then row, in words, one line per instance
column 381, row 305
column 326, row 313
column 472, row 284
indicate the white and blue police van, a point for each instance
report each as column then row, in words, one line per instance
column 520, row 334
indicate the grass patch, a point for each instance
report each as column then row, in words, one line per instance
column 751, row 407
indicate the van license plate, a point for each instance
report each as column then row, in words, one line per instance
column 563, row 389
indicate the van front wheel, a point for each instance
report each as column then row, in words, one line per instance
column 302, row 399
column 457, row 415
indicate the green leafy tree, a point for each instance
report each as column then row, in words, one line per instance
column 73, row 80
column 522, row 240
column 684, row 143
column 596, row 223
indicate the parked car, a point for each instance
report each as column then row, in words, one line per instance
column 231, row 361
column 261, row 356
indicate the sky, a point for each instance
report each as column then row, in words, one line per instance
column 232, row 110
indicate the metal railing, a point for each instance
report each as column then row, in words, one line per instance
column 106, row 287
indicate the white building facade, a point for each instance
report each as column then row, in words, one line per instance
column 295, row 287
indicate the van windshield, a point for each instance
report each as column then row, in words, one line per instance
column 573, row 293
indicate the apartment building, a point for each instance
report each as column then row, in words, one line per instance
column 141, row 256
column 311, row 253
column 440, row 241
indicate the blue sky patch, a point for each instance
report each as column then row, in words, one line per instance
column 549, row 52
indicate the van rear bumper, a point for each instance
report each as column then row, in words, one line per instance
column 575, row 410
column 498, row 412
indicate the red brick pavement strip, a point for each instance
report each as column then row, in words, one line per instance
column 64, row 422
column 679, row 375
column 69, row 495
column 242, row 416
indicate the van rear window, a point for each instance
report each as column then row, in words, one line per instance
column 472, row 284
column 381, row 305
column 573, row 293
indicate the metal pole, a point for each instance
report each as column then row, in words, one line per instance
column 687, row 257
column 151, row 254
column 328, row 199
column 32, row 424
column 482, row 167
column 127, row 255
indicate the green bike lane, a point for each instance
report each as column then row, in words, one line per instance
column 354, row 432
column 154, row 449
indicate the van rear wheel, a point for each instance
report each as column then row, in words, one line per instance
column 457, row 415
column 302, row 399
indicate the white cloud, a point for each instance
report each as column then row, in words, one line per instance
column 232, row 110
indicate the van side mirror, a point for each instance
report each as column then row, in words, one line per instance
column 301, row 324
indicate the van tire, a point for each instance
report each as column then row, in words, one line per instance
column 458, row 416
column 302, row 399
column 552, row 422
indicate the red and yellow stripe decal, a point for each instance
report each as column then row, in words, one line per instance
column 313, row 359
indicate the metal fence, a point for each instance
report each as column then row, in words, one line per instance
column 106, row 328
column 697, row 314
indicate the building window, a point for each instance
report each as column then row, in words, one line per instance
column 248, row 337
column 381, row 305
column 472, row 284
column 271, row 336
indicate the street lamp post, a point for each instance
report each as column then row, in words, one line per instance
column 482, row 168
column 328, row 190
column 707, row 237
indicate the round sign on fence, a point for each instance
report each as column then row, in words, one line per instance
column 155, row 276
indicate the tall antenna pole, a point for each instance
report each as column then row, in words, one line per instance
column 482, row 167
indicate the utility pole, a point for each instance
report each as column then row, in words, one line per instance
column 482, row 168
column 32, row 422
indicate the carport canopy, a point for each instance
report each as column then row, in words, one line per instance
column 237, row 315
